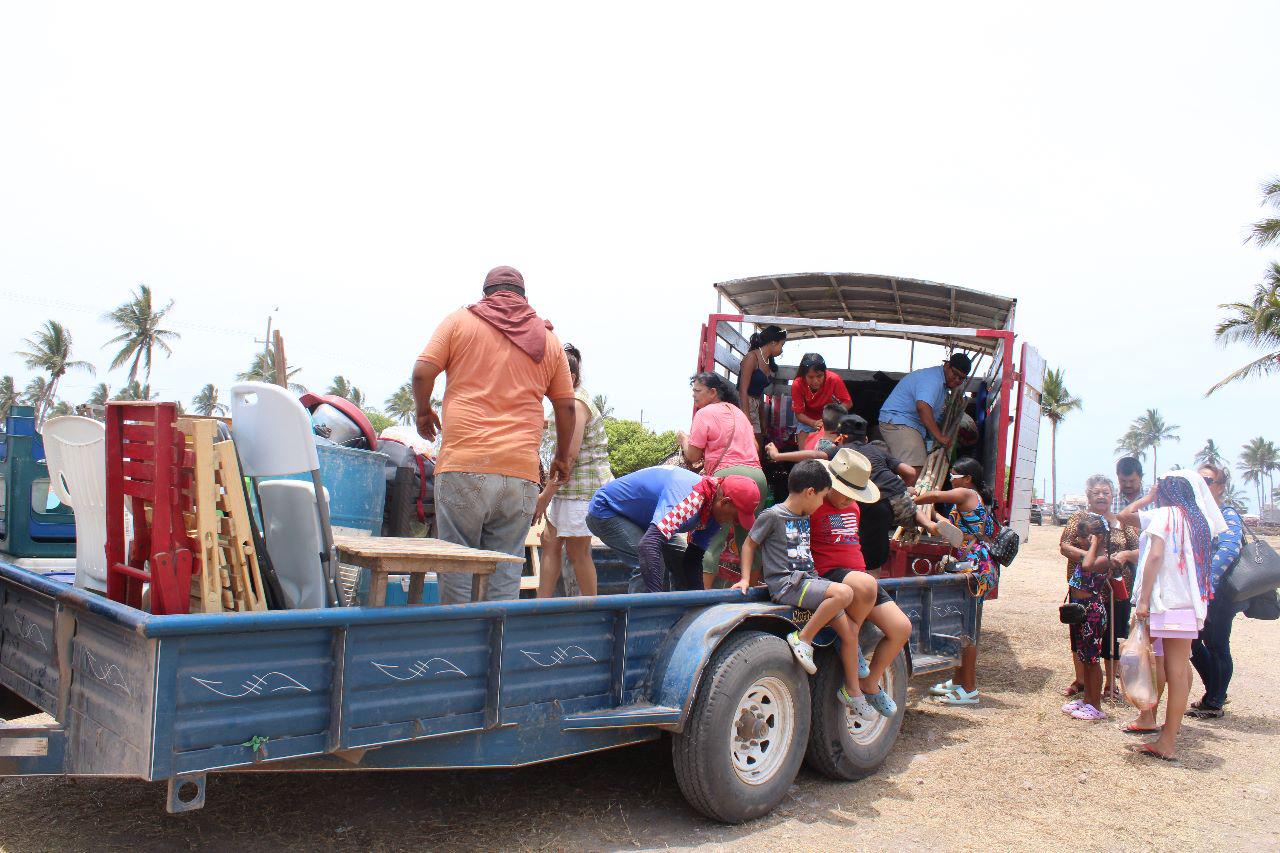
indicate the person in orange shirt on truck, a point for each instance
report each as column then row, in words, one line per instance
column 500, row 360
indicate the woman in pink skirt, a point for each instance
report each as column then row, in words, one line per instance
column 1172, row 589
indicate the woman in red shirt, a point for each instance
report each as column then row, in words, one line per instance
column 814, row 387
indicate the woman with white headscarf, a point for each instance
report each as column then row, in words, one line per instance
column 1173, row 588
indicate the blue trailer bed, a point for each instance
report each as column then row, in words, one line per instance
column 478, row 685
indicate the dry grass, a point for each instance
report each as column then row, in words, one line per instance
column 1014, row 774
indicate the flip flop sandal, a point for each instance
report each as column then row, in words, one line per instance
column 942, row 689
column 950, row 532
column 959, row 697
column 1131, row 729
column 1072, row 689
column 1145, row 749
column 1205, row 713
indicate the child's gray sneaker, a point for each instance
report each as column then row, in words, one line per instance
column 857, row 704
column 803, row 652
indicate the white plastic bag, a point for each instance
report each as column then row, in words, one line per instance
column 1138, row 669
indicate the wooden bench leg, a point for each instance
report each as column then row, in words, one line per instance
column 377, row 589
column 417, row 581
column 479, row 586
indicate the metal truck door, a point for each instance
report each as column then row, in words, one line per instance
column 1026, row 439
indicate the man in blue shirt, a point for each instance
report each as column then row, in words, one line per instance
column 638, row 514
column 909, row 415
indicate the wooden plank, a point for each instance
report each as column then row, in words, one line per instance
column 410, row 546
column 243, row 556
column 733, row 337
column 204, row 488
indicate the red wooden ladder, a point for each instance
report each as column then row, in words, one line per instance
column 146, row 458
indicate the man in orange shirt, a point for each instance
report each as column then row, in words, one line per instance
column 500, row 359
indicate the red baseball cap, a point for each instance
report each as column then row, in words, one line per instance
column 745, row 495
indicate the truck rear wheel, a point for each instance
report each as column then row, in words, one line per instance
column 745, row 737
column 841, row 744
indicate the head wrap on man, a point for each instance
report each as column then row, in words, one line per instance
column 511, row 314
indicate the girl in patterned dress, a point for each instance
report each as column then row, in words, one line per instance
column 970, row 514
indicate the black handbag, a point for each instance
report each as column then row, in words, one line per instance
column 1257, row 571
column 1070, row 612
column 1265, row 606
column 1004, row 548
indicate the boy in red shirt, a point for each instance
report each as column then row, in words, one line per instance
column 837, row 556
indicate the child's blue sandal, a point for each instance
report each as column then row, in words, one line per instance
column 884, row 706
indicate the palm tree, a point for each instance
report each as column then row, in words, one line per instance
column 140, row 332
column 206, row 402
column 1267, row 231
column 35, row 392
column 135, row 392
column 62, row 407
column 1256, row 323
column 1258, row 459
column 1130, row 444
column 1210, row 455
column 1235, row 497
column 263, row 369
column 1056, row 402
column 9, row 396
column 101, row 394
column 50, row 351
column 1152, row 430
column 400, row 406
column 601, row 402
column 340, row 387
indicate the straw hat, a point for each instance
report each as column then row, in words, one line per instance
column 851, row 476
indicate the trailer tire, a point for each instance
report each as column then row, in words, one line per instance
column 727, row 765
column 842, row 746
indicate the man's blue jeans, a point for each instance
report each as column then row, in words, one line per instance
column 622, row 535
column 489, row 511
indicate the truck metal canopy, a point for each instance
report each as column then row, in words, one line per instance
column 874, row 298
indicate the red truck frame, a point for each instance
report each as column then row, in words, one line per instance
column 848, row 305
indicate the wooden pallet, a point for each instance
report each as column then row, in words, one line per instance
column 229, row 578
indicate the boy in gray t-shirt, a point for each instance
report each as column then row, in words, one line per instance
column 782, row 534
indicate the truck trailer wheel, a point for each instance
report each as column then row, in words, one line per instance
column 745, row 737
column 842, row 745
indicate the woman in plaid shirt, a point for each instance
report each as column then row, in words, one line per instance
column 565, row 505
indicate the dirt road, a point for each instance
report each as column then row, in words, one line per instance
column 1014, row 773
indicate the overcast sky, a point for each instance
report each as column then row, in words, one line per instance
column 356, row 168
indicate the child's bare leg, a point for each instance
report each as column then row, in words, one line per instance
column 966, row 674
column 549, row 572
column 896, row 627
column 848, row 653
column 837, row 598
column 864, row 596
column 1177, row 668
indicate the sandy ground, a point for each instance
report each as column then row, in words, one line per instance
column 1014, row 774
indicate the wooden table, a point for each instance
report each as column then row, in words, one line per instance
column 415, row 556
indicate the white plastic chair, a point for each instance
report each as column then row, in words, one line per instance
column 272, row 432
column 292, row 530
column 75, row 450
